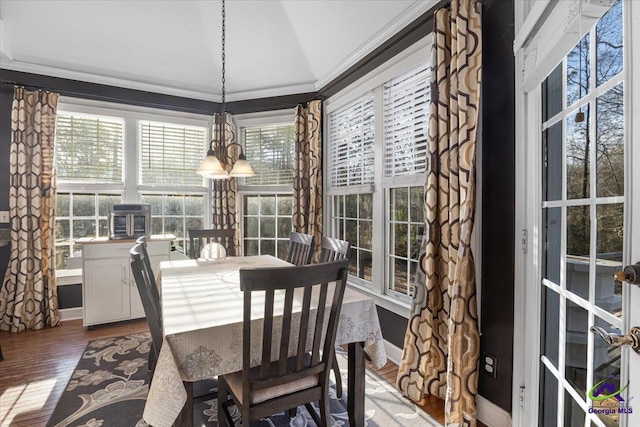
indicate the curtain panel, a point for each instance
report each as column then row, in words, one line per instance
column 224, row 191
column 307, row 179
column 28, row 296
column 442, row 343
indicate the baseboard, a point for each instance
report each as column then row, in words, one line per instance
column 70, row 313
column 491, row 414
column 394, row 353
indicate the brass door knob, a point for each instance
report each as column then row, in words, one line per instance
column 630, row 274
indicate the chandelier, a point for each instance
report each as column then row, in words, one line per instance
column 215, row 165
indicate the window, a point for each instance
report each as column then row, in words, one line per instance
column 405, row 230
column 406, row 115
column 170, row 153
column 80, row 215
column 351, row 132
column 89, row 148
column 106, row 155
column 271, row 149
column 351, row 135
column 266, row 199
column 90, row 174
column 267, row 224
column 353, row 222
column 377, row 161
column 176, row 214
column 405, row 107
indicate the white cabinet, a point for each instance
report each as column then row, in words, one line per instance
column 109, row 292
column 106, row 291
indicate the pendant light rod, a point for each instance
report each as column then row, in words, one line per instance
column 214, row 166
column 224, row 91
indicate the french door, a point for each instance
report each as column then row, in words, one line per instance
column 584, row 226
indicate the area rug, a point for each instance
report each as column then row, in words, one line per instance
column 110, row 384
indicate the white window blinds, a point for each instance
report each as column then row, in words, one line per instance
column 270, row 150
column 89, row 148
column 171, row 154
column 351, row 139
column 406, row 118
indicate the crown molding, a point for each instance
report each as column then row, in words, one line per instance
column 7, row 63
column 411, row 14
column 271, row 92
column 66, row 73
column 5, row 48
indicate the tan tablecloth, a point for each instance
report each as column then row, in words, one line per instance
column 202, row 315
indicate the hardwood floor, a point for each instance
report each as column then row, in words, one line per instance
column 38, row 364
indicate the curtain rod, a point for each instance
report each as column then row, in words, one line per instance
column 26, row 86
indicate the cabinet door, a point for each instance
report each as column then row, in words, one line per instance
column 107, row 290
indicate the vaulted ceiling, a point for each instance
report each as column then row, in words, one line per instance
column 273, row 47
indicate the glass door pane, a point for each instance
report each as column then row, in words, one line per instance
column 582, row 222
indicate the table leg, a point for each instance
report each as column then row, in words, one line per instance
column 185, row 418
column 355, row 399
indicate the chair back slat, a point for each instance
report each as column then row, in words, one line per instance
column 334, row 249
column 317, row 334
column 286, row 331
column 268, row 332
column 301, row 248
column 334, row 317
column 199, row 238
column 304, row 327
column 289, row 279
column 246, row 332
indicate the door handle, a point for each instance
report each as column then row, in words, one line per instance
column 630, row 274
column 631, row 339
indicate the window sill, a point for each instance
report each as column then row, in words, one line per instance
column 394, row 305
column 68, row 276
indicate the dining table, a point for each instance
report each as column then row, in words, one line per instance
column 202, row 315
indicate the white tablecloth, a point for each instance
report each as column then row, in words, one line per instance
column 202, row 315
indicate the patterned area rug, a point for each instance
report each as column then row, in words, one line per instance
column 110, row 384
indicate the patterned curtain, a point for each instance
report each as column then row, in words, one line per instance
column 307, row 179
column 442, row 343
column 223, row 196
column 28, row 296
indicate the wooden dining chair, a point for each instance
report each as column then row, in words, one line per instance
column 301, row 248
column 332, row 249
column 150, row 296
column 287, row 381
column 142, row 240
column 199, row 238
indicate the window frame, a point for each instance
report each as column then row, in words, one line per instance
column 131, row 189
column 548, row 47
column 414, row 56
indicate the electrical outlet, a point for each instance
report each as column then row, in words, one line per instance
column 490, row 364
column 4, row 217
